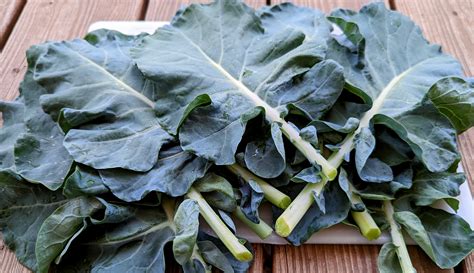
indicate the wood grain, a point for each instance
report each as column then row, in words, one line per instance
column 449, row 23
column 259, row 259
column 164, row 10
column 8, row 262
column 340, row 259
column 43, row 20
column 9, row 12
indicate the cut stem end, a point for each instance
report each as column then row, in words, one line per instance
column 239, row 251
column 272, row 194
column 367, row 225
column 282, row 228
column 262, row 229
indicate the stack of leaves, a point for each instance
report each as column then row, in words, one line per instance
column 118, row 144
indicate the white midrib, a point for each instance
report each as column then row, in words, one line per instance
column 271, row 114
column 129, row 89
column 136, row 236
column 348, row 143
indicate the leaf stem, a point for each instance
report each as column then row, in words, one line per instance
column 308, row 150
column 262, row 229
column 232, row 243
column 168, row 205
column 367, row 225
column 272, row 194
column 397, row 239
column 288, row 220
column 296, row 210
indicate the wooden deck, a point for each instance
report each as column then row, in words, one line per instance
column 27, row 22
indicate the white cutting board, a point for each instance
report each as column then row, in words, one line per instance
column 338, row 234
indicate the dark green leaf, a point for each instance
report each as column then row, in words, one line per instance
column 454, row 98
column 61, row 227
column 311, row 22
column 387, row 191
column 13, row 127
column 265, row 157
column 136, row 245
column 239, row 71
column 446, row 238
column 325, row 126
column 186, row 220
column 391, row 149
column 315, row 220
column 213, row 256
column 252, row 196
column 84, row 181
column 370, row 169
column 217, row 191
column 40, row 156
column 310, row 134
column 431, row 187
column 345, row 184
column 23, row 209
column 387, row 262
column 98, row 91
column 308, row 175
column 398, row 82
column 174, row 173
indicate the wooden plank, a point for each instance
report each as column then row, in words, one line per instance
column 8, row 262
column 340, row 259
column 467, row 266
column 328, row 6
column 9, row 12
column 259, row 259
column 449, row 23
column 43, row 20
column 164, row 10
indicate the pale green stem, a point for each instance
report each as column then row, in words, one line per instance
column 297, row 209
column 197, row 255
column 262, row 229
column 272, row 115
column 168, row 204
column 365, row 222
column 288, row 220
column 397, row 239
column 363, row 219
column 272, row 194
column 308, row 150
column 232, row 243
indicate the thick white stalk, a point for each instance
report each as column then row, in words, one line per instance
column 272, row 115
column 262, row 229
column 297, row 209
column 239, row 251
column 365, row 222
column 272, row 194
column 397, row 239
